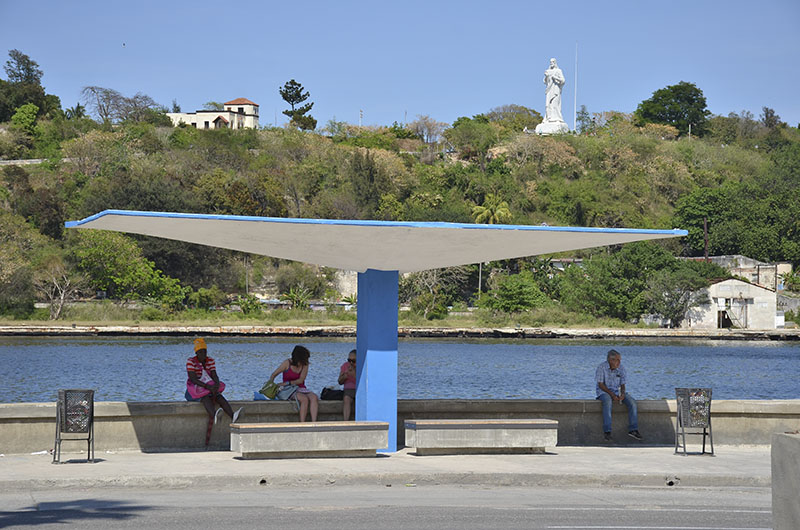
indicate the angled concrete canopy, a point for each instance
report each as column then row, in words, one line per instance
column 362, row 245
column 379, row 251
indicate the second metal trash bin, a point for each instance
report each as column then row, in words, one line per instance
column 694, row 412
column 74, row 415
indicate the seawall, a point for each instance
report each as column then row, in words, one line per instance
column 180, row 426
column 407, row 332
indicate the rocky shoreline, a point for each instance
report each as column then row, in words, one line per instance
column 409, row 332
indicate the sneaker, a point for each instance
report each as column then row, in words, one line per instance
column 607, row 437
column 635, row 435
column 216, row 415
column 236, row 415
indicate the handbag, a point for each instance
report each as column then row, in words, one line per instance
column 332, row 394
column 270, row 389
column 286, row 392
column 197, row 391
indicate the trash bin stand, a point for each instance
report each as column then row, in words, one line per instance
column 694, row 412
column 74, row 415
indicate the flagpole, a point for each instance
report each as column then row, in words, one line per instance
column 575, row 104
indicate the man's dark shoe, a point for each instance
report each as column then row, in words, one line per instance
column 607, row 437
column 636, row 435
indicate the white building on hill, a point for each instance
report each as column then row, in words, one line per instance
column 240, row 113
column 735, row 304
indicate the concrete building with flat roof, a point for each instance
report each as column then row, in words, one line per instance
column 735, row 304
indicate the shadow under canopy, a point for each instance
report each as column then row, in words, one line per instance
column 379, row 251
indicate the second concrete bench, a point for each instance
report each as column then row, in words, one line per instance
column 313, row 439
column 436, row 437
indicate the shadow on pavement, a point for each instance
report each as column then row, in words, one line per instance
column 71, row 512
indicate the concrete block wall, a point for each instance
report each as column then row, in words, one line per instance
column 786, row 481
column 734, row 422
column 175, row 426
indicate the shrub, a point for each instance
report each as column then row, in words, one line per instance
column 514, row 293
column 153, row 313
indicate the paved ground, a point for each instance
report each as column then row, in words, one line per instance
column 375, row 507
column 733, row 466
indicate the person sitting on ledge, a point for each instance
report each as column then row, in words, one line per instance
column 347, row 378
column 295, row 370
column 203, row 385
column 611, row 379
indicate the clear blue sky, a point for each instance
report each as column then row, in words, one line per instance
column 397, row 60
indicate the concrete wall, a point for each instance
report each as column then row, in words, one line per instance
column 172, row 426
column 786, row 481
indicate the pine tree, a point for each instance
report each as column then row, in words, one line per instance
column 292, row 93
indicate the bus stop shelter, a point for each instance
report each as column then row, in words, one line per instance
column 379, row 251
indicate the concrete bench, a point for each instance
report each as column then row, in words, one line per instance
column 431, row 437
column 314, row 439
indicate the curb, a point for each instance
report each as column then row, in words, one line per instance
column 239, row 481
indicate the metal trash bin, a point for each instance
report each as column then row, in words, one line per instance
column 74, row 415
column 694, row 412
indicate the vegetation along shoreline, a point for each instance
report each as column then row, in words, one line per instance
column 409, row 332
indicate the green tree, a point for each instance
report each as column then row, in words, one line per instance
column 473, row 137
column 22, row 69
column 514, row 293
column 292, row 93
column 671, row 293
column 298, row 297
column 300, row 277
column 514, row 118
column 20, row 248
column 612, row 285
column 493, row 211
column 769, row 118
column 114, row 263
column 206, row 298
column 678, row 105
column 368, row 180
column 249, row 304
column 75, row 113
column 24, row 86
column 24, row 118
column 584, row 121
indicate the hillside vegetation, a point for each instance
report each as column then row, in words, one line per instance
column 741, row 177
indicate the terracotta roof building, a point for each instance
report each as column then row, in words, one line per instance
column 239, row 113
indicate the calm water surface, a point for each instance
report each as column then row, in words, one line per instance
column 153, row 368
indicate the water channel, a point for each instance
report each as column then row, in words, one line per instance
column 153, row 368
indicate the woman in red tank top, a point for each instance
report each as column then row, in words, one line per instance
column 294, row 372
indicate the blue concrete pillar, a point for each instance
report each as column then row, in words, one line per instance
column 376, row 346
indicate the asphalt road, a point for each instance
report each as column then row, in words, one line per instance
column 381, row 507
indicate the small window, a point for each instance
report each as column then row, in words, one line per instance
column 206, row 125
column 194, row 125
column 241, row 110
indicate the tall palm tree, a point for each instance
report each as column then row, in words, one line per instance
column 494, row 211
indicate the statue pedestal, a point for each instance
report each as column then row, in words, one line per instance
column 552, row 127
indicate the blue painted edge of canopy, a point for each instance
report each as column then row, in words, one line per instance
column 406, row 224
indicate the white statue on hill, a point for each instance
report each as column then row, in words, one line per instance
column 553, row 121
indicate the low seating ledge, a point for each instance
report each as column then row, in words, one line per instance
column 320, row 426
column 482, row 424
